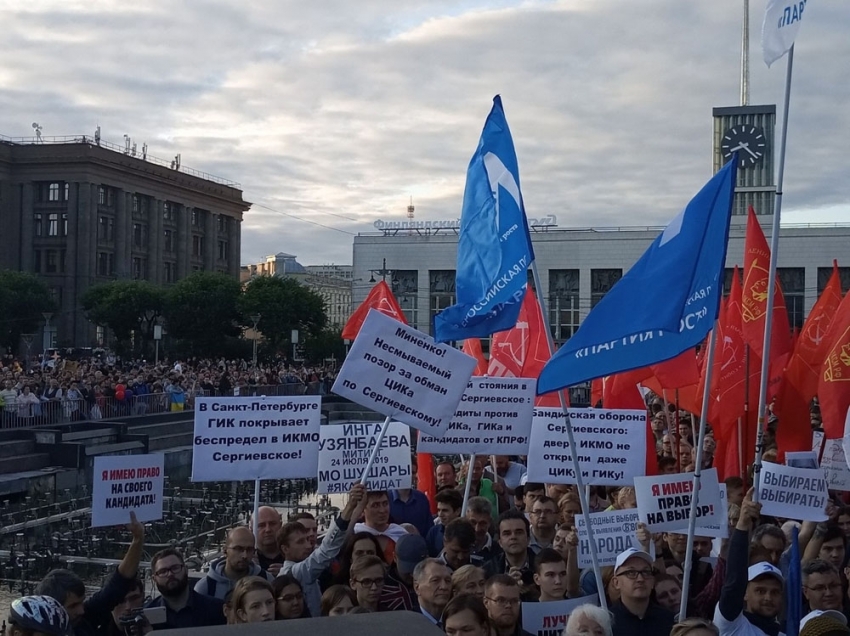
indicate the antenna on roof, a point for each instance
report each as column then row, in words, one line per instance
column 127, row 144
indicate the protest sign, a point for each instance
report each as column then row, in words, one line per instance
column 718, row 530
column 818, row 438
column 344, row 452
column 664, row 501
column 614, row 532
column 124, row 484
column 550, row 618
column 834, row 465
column 248, row 438
column 611, row 446
column 801, row 459
column 792, row 493
column 492, row 418
column 402, row 373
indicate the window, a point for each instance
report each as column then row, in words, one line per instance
column 64, row 224
column 36, row 261
column 442, row 291
column 67, row 189
column 196, row 217
column 824, row 274
column 405, row 286
column 105, row 264
column 167, row 212
column 168, row 240
column 53, row 192
column 38, row 227
column 793, row 281
column 139, row 267
column 101, row 195
column 727, row 279
column 136, row 206
column 51, row 263
column 105, row 228
column 601, row 282
column 223, row 250
column 110, row 197
column 221, row 223
column 138, row 235
column 169, row 271
column 197, row 245
column 563, row 303
column 53, row 224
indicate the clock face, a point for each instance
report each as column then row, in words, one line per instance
column 748, row 141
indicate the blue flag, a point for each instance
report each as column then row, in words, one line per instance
column 494, row 248
column 794, row 589
column 666, row 303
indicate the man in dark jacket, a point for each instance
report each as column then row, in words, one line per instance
column 635, row 613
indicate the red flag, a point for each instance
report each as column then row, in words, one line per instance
column 754, row 304
column 425, row 479
column 595, row 391
column 834, row 381
column 380, row 298
column 677, row 372
column 523, row 350
column 472, row 348
column 800, row 381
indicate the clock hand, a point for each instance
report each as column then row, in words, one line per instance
column 747, row 148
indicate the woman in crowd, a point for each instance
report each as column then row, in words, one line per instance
column 468, row 579
column 568, row 507
column 589, row 620
column 668, row 592
column 253, row 601
column 465, row 615
column 695, row 627
column 289, row 598
column 357, row 545
column 338, row 600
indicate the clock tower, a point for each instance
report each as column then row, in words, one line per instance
column 750, row 131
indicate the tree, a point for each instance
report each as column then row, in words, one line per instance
column 203, row 311
column 283, row 304
column 125, row 306
column 327, row 344
column 23, row 298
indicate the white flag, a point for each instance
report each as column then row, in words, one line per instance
column 781, row 23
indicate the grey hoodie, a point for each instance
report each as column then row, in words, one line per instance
column 217, row 585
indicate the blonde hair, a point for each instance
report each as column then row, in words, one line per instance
column 685, row 627
column 462, row 575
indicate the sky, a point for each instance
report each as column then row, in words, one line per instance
column 333, row 113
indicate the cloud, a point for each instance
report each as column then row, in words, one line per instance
column 336, row 112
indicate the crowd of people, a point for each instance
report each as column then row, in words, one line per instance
column 469, row 574
column 57, row 390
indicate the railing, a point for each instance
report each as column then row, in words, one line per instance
column 141, row 156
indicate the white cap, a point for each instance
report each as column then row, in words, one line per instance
column 833, row 614
column 632, row 553
column 763, row 568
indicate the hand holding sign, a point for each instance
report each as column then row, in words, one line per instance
column 644, row 537
column 136, row 528
column 356, row 502
column 750, row 512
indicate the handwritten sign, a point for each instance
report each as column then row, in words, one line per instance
column 124, row 484
column 550, row 618
column 401, row 372
column 611, row 446
column 793, row 493
column 344, row 452
column 492, row 418
column 664, row 501
column 247, row 438
column 834, row 465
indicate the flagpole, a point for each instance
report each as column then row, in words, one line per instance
column 692, row 521
column 740, row 448
column 377, row 447
column 585, row 505
column 771, row 280
column 467, row 487
column 256, row 520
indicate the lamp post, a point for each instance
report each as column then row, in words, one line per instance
column 383, row 272
column 157, row 336
column 46, row 339
column 255, row 318
column 27, row 338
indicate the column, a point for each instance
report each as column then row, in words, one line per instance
column 155, row 241
column 235, row 247
column 184, row 239
column 122, row 242
column 211, row 238
column 27, row 225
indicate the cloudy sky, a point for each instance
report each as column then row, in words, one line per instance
column 332, row 113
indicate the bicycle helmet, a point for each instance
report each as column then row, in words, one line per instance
column 40, row 614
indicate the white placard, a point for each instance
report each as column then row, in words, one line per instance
column 248, row 438
column 713, row 530
column 818, row 438
column 124, row 484
column 402, row 373
column 793, row 493
column 492, row 418
column 344, row 453
column 834, row 465
column 664, row 501
column 611, row 446
column 550, row 618
column 801, row 459
column 614, row 532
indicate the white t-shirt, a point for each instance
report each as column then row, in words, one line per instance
column 740, row 626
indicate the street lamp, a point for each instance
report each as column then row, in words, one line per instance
column 383, row 272
column 255, row 318
column 27, row 338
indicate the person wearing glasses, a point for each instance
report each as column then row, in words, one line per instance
column 822, row 586
column 502, row 600
column 289, row 598
column 237, row 563
column 367, row 581
column 544, row 518
column 184, row 607
column 635, row 613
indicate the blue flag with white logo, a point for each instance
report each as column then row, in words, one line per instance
column 494, row 249
column 666, row 303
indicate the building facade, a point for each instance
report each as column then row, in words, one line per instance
column 78, row 212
